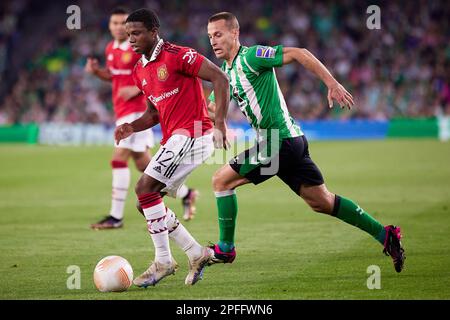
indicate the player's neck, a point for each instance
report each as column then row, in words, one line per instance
column 150, row 53
column 233, row 53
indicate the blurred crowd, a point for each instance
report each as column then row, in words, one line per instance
column 399, row 70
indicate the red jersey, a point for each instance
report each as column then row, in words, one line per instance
column 169, row 80
column 120, row 60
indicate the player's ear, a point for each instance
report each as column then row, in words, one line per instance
column 236, row 34
column 154, row 32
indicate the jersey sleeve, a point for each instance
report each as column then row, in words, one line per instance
column 108, row 57
column 262, row 58
column 189, row 61
column 135, row 77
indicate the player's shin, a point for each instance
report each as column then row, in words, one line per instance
column 120, row 184
column 155, row 214
column 227, row 211
column 183, row 239
column 348, row 211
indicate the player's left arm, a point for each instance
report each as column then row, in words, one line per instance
column 149, row 119
column 335, row 90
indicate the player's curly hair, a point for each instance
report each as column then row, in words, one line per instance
column 146, row 16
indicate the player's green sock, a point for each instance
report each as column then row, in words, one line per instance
column 227, row 208
column 348, row 211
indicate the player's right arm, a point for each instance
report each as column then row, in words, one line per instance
column 149, row 119
column 92, row 67
column 335, row 90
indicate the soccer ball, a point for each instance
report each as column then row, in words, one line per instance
column 113, row 273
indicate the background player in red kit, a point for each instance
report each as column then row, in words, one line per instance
column 129, row 104
column 170, row 77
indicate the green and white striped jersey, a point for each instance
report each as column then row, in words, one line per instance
column 254, row 87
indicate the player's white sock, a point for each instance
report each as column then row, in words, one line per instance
column 179, row 234
column 155, row 214
column 120, row 184
column 182, row 191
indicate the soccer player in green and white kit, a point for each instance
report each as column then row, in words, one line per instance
column 253, row 85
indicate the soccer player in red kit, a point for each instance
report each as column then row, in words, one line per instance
column 129, row 104
column 170, row 78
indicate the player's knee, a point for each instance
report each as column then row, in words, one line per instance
column 218, row 183
column 141, row 162
column 147, row 184
column 141, row 166
column 143, row 186
column 139, row 188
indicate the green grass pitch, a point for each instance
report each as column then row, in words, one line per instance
column 50, row 195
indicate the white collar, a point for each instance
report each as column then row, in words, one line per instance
column 124, row 46
column 154, row 54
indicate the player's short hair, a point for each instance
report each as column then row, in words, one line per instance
column 230, row 19
column 119, row 10
column 146, row 16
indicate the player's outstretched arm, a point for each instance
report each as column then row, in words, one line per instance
column 149, row 119
column 210, row 72
column 335, row 90
column 93, row 67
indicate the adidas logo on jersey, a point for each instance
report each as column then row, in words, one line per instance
column 157, row 169
column 144, row 82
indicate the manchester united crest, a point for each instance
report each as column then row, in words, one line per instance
column 162, row 72
column 126, row 57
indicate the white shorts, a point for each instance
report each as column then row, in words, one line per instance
column 139, row 141
column 177, row 158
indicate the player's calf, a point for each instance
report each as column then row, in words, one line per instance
column 318, row 198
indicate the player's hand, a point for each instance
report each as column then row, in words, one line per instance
column 220, row 136
column 91, row 66
column 343, row 97
column 128, row 92
column 123, row 131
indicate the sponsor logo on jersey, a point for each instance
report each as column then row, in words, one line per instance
column 191, row 55
column 162, row 73
column 265, row 52
column 119, row 72
column 126, row 57
column 165, row 95
column 144, row 82
column 110, row 57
